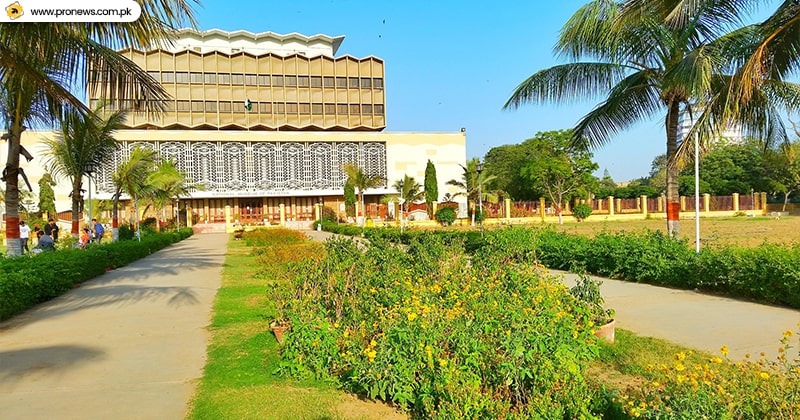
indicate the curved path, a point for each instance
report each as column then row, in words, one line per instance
column 129, row 344
column 691, row 319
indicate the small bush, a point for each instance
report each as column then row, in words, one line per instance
column 446, row 216
column 581, row 211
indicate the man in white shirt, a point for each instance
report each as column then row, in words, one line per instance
column 24, row 234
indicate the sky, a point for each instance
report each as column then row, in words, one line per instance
column 451, row 64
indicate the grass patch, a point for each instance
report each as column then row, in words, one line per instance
column 238, row 382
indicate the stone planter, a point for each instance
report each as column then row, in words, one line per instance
column 279, row 328
column 606, row 332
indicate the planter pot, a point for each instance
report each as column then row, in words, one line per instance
column 279, row 328
column 606, row 332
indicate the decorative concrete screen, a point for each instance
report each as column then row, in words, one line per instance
column 259, row 168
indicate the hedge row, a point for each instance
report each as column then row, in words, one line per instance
column 27, row 281
column 767, row 273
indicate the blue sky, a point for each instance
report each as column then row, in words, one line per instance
column 451, row 64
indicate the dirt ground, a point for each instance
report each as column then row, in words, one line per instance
column 744, row 231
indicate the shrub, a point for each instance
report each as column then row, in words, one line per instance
column 435, row 335
column 581, row 211
column 24, row 283
column 446, row 215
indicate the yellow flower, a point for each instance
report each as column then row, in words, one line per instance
column 335, row 325
column 346, row 334
column 716, row 359
column 680, row 356
column 679, row 367
column 764, row 375
column 412, row 316
column 724, row 350
column 442, row 362
column 371, row 355
column 788, row 333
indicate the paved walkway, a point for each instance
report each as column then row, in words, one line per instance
column 129, row 344
column 691, row 319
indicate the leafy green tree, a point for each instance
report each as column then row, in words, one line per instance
column 558, row 167
column 606, row 186
column 42, row 64
column 431, row 187
column 362, row 181
column 647, row 67
column 783, row 166
column 47, row 197
column 167, row 184
column 410, row 190
column 84, row 141
column 131, row 178
column 503, row 165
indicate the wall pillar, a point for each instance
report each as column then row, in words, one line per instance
column 236, row 212
column 435, row 209
column 227, row 218
column 205, row 210
column 735, row 202
column 706, row 202
column 599, row 205
column 188, row 215
column 611, row 205
column 683, row 203
column 317, row 211
column 644, row 205
column 507, row 206
column 283, row 214
column 541, row 207
column 566, row 207
column 764, row 201
column 660, row 203
column 618, row 201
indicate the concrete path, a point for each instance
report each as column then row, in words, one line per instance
column 129, row 344
column 689, row 318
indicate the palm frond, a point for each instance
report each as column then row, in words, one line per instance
column 567, row 82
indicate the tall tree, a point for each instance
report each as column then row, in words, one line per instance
column 471, row 184
column 47, row 197
column 559, row 168
column 431, row 188
column 409, row 190
column 42, row 63
column 131, row 178
column 82, row 143
column 349, row 198
column 168, row 184
column 361, row 181
column 648, row 67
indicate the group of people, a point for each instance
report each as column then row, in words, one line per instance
column 48, row 236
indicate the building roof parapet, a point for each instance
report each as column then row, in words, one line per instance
column 254, row 43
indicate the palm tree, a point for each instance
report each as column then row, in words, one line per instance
column 471, row 183
column 168, row 183
column 131, row 178
column 361, row 181
column 647, row 66
column 410, row 190
column 41, row 63
column 82, row 143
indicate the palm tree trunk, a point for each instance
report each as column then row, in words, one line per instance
column 785, row 200
column 136, row 218
column 76, row 209
column 673, row 196
column 115, row 219
column 12, row 190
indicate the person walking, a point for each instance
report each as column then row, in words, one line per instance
column 24, row 235
column 99, row 230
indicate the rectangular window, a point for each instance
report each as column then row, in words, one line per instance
column 279, row 107
column 341, row 109
column 170, row 106
column 195, row 77
column 352, row 82
column 378, row 109
column 210, row 78
column 250, row 79
column 237, row 79
column 277, row 80
column 290, row 80
column 366, row 108
column 197, row 106
column 304, row 109
column 265, row 107
column 291, row 108
column 155, row 75
column 330, row 109
column 211, row 106
column 183, row 106
column 377, row 83
column 224, row 79
column 316, row 109
column 224, row 106
column 341, row 82
column 181, row 77
column 355, row 109
column 263, row 80
column 316, row 81
column 366, row 83
column 302, row 81
column 327, row 81
column 167, row 77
